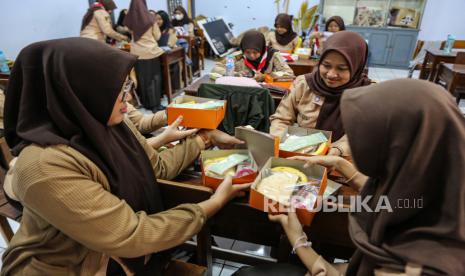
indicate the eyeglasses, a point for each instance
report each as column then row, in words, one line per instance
column 128, row 87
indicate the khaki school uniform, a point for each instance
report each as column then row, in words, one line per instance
column 271, row 41
column 277, row 64
column 147, row 47
column 100, row 27
column 71, row 222
column 302, row 107
column 172, row 39
column 146, row 123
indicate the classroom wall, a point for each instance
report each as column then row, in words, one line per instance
column 245, row 14
column 27, row 21
column 441, row 18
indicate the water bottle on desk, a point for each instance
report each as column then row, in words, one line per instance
column 229, row 66
column 3, row 63
column 449, row 43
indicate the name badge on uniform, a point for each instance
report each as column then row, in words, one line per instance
column 317, row 100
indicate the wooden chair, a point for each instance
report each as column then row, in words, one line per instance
column 201, row 48
column 416, row 52
column 449, row 81
column 7, row 210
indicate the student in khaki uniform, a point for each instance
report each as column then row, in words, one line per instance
column 168, row 34
column 86, row 178
column 96, row 23
column 181, row 19
column 403, row 135
column 283, row 38
column 257, row 59
column 145, row 33
column 333, row 25
column 314, row 98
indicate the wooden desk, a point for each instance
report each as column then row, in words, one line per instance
column 174, row 56
column 303, row 66
column 193, row 88
column 454, row 77
column 435, row 57
column 328, row 232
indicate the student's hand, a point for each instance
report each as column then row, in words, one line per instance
column 227, row 191
column 221, row 139
column 259, row 77
column 172, row 133
column 331, row 162
column 291, row 225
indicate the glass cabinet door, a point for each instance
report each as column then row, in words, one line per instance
column 371, row 13
column 405, row 13
column 342, row 8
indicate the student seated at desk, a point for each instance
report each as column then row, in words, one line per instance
column 408, row 137
column 257, row 59
column 145, row 33
column 182, row 20
column 86, row 178
column 96, row 23
column 314, row 98
column 283, row 38
column 333, row 25
column 168, row 34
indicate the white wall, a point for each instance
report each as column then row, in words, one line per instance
column 27, row 21
column 245, row 14
column 443, row 17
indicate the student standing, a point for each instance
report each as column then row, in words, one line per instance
column 96, row 23
column 145, row 33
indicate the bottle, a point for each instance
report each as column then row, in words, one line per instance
column 229, row 65
column 449, row 43
column 3, row 65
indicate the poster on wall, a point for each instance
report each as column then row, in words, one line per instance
column 172, row 4
column 218, row 35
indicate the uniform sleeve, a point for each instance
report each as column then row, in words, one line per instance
column 286, row 113
column 156, row 31
column 220, row 67
column 172, row 39
column 280, row 65
column 171, row 162
column 102, row 18
column 343, row 145
column 190, row 29
column 146, row 124
column 82, row 209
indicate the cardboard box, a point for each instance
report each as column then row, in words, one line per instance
column 259, row 201
column 404, row 17
column 259, row 145
column 284, row 84
column 195, row 118
column 300, row 131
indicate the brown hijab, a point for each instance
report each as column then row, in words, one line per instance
column 285, row 21
column 353, row 47
column 408, row 136
column 339, row 21
column 256, row 40
column 139, row 19
column 108, row 5
column 63, row 92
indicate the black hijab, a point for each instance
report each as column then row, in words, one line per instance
column 408, row 136
column 139, row 19
column 285, row 21
column 63, row 92
column 256, row 40
column 185, row 20
column 354, row 49
column 164, row 28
